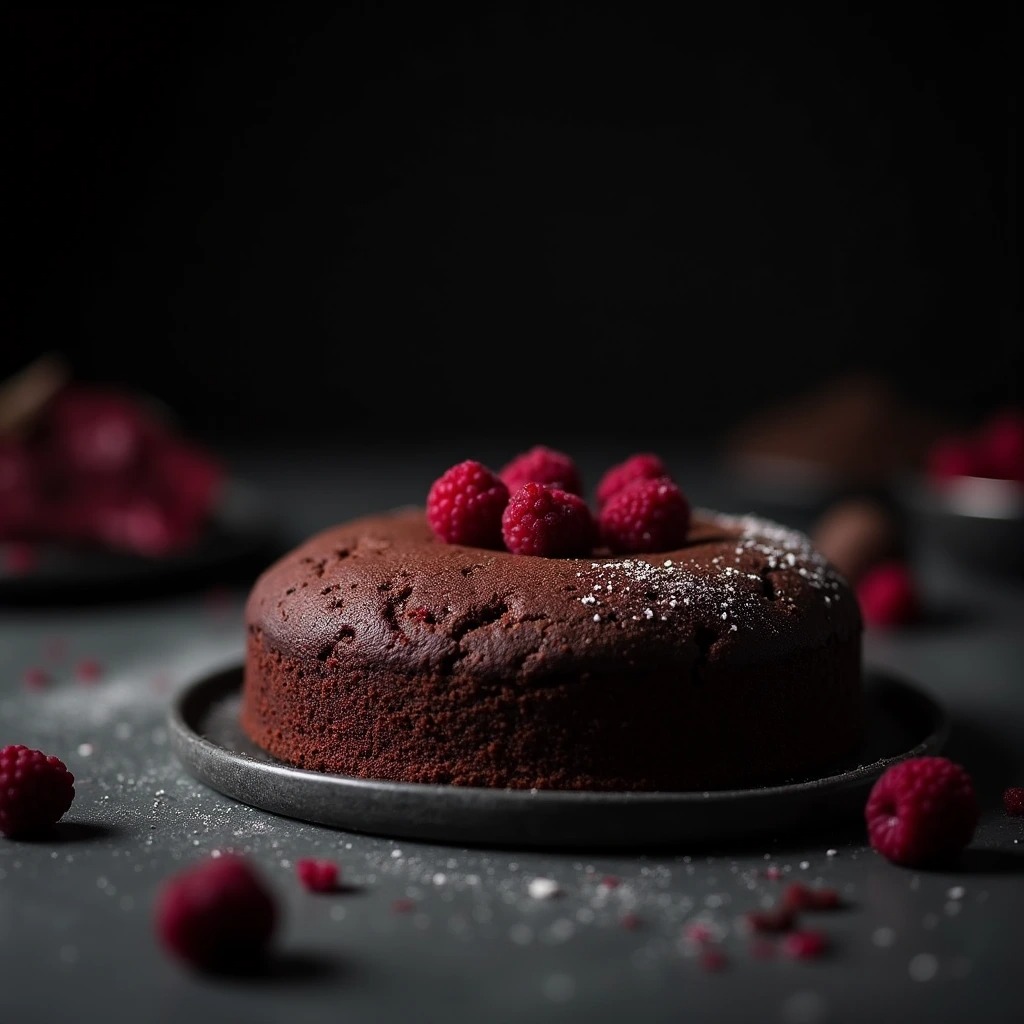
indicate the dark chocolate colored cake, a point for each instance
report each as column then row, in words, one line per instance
column 378, row 651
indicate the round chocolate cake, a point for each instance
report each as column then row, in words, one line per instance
column 376, row 650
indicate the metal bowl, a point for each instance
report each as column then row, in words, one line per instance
column 976, row 522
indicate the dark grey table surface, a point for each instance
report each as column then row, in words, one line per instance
column 77, row 940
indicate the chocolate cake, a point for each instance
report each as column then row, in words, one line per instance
column 376, row 649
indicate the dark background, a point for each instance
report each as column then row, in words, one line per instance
column 388, row 221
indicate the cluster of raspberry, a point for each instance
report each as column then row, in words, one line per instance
column 535, row 505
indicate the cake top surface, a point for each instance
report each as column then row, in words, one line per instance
column 386, row 585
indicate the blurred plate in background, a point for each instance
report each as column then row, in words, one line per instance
column 976, row 522
column 241, row 538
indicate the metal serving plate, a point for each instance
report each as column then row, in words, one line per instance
column 901, row 721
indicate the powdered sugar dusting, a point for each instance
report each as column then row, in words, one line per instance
column 769, row 562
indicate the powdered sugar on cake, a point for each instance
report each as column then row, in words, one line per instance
column 730, row 590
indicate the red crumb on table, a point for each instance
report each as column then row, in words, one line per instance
column 799, row 896
column 774, row 919
column 1013, row 800
column 773, row 872
column 36, row 678
column 88, row 670
column 610, row 882
column 402, row 905
column 698, row 932
column 805, row 945
column 630, row 921
column 921, row 810
column 217, row 914
column 36, row 790
column 318, row 875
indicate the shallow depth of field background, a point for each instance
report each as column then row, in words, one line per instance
column 396, row 223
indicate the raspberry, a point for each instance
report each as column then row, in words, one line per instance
column 1013, row 800
column 99, row 431
column 20, row 492
column 921, row 810
column 646, row 515
column 542, row 465
column 541, row 520
column 465, row 503
column 36, row 789
column 317, row 875
column 952, row 457
column 642, row 466
column 1001, row 441
column 186, row 479
column 888, row 595
column 805, row 945
column 217, row 915
column 129, row 522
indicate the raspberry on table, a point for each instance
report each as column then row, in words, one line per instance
column 888, row 594
column 317, row 875
column 645, row 515
column 218, row 914
column 641, row 466
column 542, row 465
column 922, row 810
column 465, row 504
column 36, row 790
column 546, row 521
column 1013, row 800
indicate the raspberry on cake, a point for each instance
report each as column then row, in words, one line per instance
column 542, row 520
column 724, row 653
column 645, row 515
column 641, row 466
column 543, row 465
column 465, row 504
